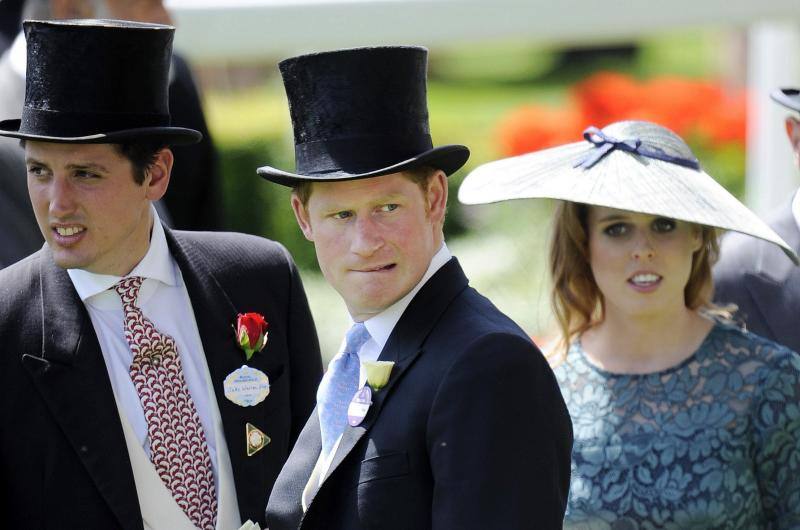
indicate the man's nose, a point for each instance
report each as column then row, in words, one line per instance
column 367, row 237
column 62, row 198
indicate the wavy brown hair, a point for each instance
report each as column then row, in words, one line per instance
column 578, row 303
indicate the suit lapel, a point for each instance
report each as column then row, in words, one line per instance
column 216, row 317
column 775, row 287
column 72, row 378
column 405, row 345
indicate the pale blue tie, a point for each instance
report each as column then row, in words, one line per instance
column 338, row 387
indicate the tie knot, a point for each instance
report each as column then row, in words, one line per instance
column 128, row 289
column 357, row 335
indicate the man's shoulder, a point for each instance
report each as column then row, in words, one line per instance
column 19, row 281
column 234, row 250
column 472, row 320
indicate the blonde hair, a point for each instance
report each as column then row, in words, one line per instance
column 578, row 303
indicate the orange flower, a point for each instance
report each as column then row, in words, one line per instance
column 606, row 97
column 534, row 127
column 726, row 121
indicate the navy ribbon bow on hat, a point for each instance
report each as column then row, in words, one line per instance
column 605, row 144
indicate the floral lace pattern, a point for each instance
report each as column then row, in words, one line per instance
column 713, row 442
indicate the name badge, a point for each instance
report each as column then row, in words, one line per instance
column 246, row 386
column 359, row 406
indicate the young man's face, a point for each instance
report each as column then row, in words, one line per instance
column 374, row 237
column 92, row 213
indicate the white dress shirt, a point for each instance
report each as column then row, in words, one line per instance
column 796, row 208
column 380, row 327
column 164, row 300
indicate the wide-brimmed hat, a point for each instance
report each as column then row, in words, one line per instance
column 97, row 81
column 636, row 166
column 788, row 97
column 359, row 113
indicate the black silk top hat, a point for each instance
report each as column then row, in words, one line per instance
column 788, row 97
column 360, row 113
column 97, row 81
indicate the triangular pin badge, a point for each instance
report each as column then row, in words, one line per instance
column 256, row 439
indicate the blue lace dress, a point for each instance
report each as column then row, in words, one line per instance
column 711, row 443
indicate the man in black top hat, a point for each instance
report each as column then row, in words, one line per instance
column 438, row 411
column 193, row 200
column 149, row 378
column 754, row 276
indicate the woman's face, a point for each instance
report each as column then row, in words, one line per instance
column 641, row 263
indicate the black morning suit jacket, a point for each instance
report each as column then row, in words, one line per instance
column 765, row 284
column 63, row 459
column 471, row 431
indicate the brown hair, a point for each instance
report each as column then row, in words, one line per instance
column 420, row 175
column 142, row 155
column 578, row 303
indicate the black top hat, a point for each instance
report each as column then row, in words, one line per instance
column 97, row 81
column 788, row 97
column 360, row 113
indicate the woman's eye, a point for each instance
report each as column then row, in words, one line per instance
column 389, row 207
column 663, row 224
column 616, row 230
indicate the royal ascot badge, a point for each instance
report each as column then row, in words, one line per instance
column 246, row 386
column 359, row 406
column 256, row 439
column 251, row 333
column 378, row 373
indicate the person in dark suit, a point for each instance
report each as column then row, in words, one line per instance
column 754, row 275
column 438, row 411
column 149, row 378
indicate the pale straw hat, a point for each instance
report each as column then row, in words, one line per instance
column 629, row 165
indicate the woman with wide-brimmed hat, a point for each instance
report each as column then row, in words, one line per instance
column 681, row 418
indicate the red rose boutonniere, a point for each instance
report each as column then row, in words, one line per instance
column 251, row 333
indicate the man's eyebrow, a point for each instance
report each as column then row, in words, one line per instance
column 85, row 165
column 88, row 165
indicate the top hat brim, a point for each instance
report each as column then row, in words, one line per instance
column 448, row 158
column 620, row 180
column 788, row 97
column 167, row 135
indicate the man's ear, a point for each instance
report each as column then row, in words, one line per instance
column 303, row 219
column 436, row 196
column 157, row 177
column 793, row 133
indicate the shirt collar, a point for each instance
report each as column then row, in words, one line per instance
column 381, row 325
column 18, row 55
column 156, row 264
column 796, row 208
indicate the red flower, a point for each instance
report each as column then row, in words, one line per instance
column 533, row 127
column 251, row 333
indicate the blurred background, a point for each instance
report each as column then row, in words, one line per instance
column 505, row 77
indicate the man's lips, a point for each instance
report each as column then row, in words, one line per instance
column 66, row 234
column 376, row 268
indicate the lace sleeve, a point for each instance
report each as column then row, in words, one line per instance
column 777, row 438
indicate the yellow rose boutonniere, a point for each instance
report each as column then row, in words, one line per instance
column 378, row 373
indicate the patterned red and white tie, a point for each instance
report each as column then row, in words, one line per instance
column 178, row 447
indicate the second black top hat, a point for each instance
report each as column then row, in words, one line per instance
column 360, row 113
column 97, row 81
